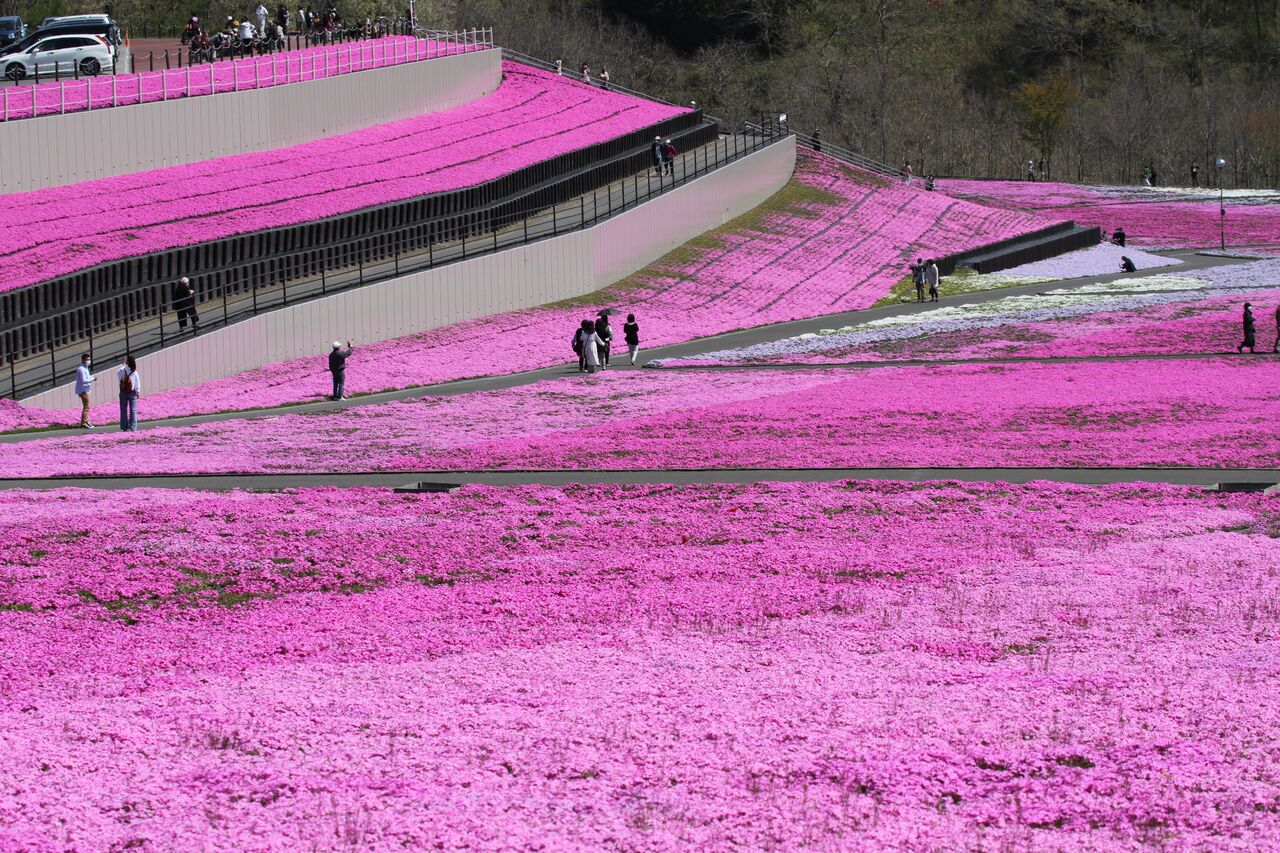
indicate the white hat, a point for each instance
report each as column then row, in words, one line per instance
column 657, row 139
column 184, row 280
column 337, row 344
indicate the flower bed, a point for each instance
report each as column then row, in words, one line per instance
column 1210, row 412
column 1151, row 218
column 834, row 239
column 245, row 73
column 1103, row 259
column 532, row 117
column 864, row 666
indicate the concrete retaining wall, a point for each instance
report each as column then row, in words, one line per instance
column 570, row 265
column 63, row 149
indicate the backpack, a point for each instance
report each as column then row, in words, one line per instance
column 126, row 384
column 577, row 342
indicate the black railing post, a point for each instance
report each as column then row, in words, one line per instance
column 324, row 286
column 582, row 211
column 13, row 376
column 526, row 229
column 53, row 364
column 553, row 220
column 225, row 321
column 431, row 252
column 151, row 60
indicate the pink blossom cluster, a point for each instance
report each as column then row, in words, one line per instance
column 861, row 666
column 532, row 117
column 1209, row 412
column 237, row 75
column 1150, row 219
column 841, row 251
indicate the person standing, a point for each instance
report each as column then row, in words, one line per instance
column 1031, row 171
column 669, row 157
column 1040, row 169
column 917, row 278
column 631, row 332
column 84, row 387
column 130, row 388
column 578, row 349
column 1276, row 346
column 1195, row 175
column 338, row 367
column 906, row 171
column 605, row 333
column 282, row 17
column 931, row 279
column 656, row 149
column 559, row 67
column 184, row 303
column 590, row 346
column 261, row 14
column 604, row 79
column 302, row 21
column 586, row 73
column 1250, row 330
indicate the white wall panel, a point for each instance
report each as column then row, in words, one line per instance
column 570, row 265
column 64, row 149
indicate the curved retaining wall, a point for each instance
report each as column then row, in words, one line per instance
column 570, row 265
column 64, row 149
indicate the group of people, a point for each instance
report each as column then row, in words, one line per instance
column 240, row 32
column 924, row 274
column 593, row 340
column 664, row 156
column 130, row 389
column 584, row 71
column 1251, row 331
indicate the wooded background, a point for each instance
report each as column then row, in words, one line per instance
column 1100, row 89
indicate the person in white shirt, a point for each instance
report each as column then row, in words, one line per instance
column 261, row 13
column 84, row 386
column 130, row 388
column 931, row 279
column 246, row 31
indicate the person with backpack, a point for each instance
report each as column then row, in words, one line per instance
column 605, row 333
column 917, row 278
column 1250, row 330
column 130, row 388
column 931, row 279
column 631, row 332
column 338, row 367
column 578, row 348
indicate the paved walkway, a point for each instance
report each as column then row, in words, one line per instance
column 689, row 349
column 1241, row 478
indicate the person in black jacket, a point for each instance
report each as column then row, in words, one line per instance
column 605, row 332
column 184, row 303
column 338, row 367
column 631, row 331
column 1250, row 330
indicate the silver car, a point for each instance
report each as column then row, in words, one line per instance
column 59, row 55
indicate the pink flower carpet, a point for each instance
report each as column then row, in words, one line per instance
column 1150, row 218
column 852, row 666
column 533, row 116
column 237, row 75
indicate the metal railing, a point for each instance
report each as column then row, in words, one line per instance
column 74, row 93
column 149, row 321
column 835, row 151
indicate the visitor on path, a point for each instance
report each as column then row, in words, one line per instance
column 604, row 79
column 669, row 157
column 130, row 388
column 1126, row 265
column 1195, row 175
column 559, row 67
column 605, row 333
column 586, row 73
column 1031, row 171
column 931, row 279
column 338, row 367
column 302, row 21
column 261, row 14
column 184, row 303
column 656, row 149
column 817, row 140
column 1119, row 237
column 1250, row 330
column 579, row 348
column 84, row 387
column 917, row 278
column 1276, row 346
column 631, row 332
column 1040, row 169
column 282, row 17
column 929, row 182
column 906, row 171
column 590, row 346
column 1146, row 176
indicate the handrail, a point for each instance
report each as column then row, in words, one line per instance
column 401, row 252
column 844, row 154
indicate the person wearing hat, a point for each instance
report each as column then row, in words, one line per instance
column 184, row 303
column 668, row 157
column 657, row 155
column 338, row 367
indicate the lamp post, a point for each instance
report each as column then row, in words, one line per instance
column 1218, row 164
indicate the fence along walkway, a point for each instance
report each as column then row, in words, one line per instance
column 243, row 74
column 151, row 328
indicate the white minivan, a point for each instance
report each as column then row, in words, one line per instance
column 61, row 55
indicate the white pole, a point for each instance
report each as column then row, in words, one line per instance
column 235, row 75
column 6, row 104
column 62, row 97
column 213, row 84
column 188, row 80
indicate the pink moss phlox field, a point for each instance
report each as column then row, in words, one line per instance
column 532, row 117
column 861, row 666
column 1209, row 412
column 840, row 253
column 237, row 75
column 1149, row 217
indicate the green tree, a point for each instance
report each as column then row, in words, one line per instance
column 1044, row 111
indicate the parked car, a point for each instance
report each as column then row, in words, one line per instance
column 96, row 25
column 74, row 19
column 12, row 29
column 54, row 55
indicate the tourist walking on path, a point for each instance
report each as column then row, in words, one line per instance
column 631, row 332
column 579, row 348
column 1195, row 175
column 184, row 303
column 586, row 73
column 338, row 367
column 656, row 149
column 261, row 14
column 931, row 279
column 1031, row 171
column 1250, row 330
column 917, row 278
column 605, row 333
column 1276, row 346
column 669, row 157
column 130, row 388
column 590, row 346
column 84, row 387
column 906, row 171
column 604, row 79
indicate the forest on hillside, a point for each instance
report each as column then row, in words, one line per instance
column 1097, row 89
